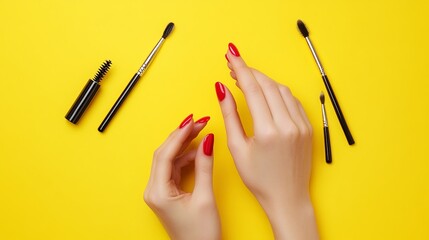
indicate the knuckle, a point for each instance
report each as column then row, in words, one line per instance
column 229, row 113
column 310, row 131
column 156, row 153
column 233, row 145
column 307, row 132
column 297, row 101
column 252, row 88
column 147, row 197
column 240, row 68
column 205, row 202
column 206, row 168
column 285, row 90
column 297, row 134
column 152, row 200
column 270, row 135
column 291, row 133
column 304, row 132
column 269, row 84
column 305, row 135
column 238, row 149
column 160, row 154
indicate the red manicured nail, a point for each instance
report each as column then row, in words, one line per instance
column 203, row 119
column 226, row 56
column 208, row 144
column 233, row 49
column 187, row 120
column 220, row 91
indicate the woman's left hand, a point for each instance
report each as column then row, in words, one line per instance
column 184, row 215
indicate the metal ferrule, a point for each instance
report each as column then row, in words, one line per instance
column 325, row 119
column 150, row 57
column 313, row 51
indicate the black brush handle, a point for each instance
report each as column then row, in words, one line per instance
column 328, row 152
column 338, row 111
column 119, row 102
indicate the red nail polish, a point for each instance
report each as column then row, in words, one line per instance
column 226, row 56
column 233, row 49
column 187, row 120
column 208, row 144
column 203, row 119
column 220, row 91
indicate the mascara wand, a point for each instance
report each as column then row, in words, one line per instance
column 328, row 152
column 87, row 94
column 135, row 78
column 331, row 94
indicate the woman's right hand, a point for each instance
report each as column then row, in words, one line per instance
column 274, row 163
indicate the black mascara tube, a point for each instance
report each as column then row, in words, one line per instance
column 87, row 94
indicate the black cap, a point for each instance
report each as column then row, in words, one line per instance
column 83, row 101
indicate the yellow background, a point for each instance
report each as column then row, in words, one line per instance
column 61, row 181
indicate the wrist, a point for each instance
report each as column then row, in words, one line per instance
column 292, row 221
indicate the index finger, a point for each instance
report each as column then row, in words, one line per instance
column 252, row 91
column 165, row 155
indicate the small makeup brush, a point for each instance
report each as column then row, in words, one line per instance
column 328, row 154
column 135, row 78
column 331, row 94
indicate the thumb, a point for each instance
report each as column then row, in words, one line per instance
column 204, row 166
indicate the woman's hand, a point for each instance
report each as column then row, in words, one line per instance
column 275, row 163
column 184, row 215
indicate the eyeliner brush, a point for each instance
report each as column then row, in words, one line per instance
column 135, row 78
column 328, row 153
column 331, row 94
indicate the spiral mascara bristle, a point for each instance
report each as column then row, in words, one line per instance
column 102, row 71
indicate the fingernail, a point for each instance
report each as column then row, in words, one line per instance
column 203, row 119
column 187, row 120
column 226, row 56
column 208, row 144
column 233, row 49
column 220, row 91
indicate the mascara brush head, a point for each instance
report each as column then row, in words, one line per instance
column 302, row 28
column 168, row 30
column 102, row 71
column 322, row 98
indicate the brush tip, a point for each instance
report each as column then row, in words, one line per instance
column 168, row 30
column 322, row 98
column 302, row 28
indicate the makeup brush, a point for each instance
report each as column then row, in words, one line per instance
column 328, row 154
column 331, row 94
column 135, row 78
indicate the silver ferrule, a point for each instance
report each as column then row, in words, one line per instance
column 150, row 57
column 313, row 51
column 325, row 119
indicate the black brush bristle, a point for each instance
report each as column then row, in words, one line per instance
column 168, row 30
column 302, row 28
column 102, row 71
column 322, row 98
